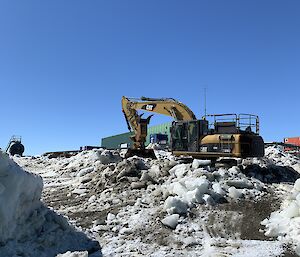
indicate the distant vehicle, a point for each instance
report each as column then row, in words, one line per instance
column 161, row 139
column 15, row 146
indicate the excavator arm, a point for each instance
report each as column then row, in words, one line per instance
column 165, row 106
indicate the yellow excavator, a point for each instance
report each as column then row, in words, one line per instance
column 214, row 136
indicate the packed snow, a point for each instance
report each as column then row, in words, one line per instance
column 145, row 207
column 285, row 223
column 27, row 227
column 20, row 194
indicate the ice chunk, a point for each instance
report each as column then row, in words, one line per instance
column 218, row 189
column 179, row 170
column 221, row 173
column 146, row 177
column 79, row 191
column 209, row 200
column 110, row 217
column 171, row 221
column 201, row 183
column 154, row 146
column 298, row 199
column 85, row 171
column 194, row 196
column 125, row 231
column 240, row 183
column 175, row 205
column 179, row 189
column 234, row 193
column 297, row 185
column 297, row 249
column 276, row 225
column 234, row 170
column 92, row 199
column 197, row 163
column 292, row 210
column 74, row 254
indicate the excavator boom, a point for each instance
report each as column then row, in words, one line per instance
column 165, row 106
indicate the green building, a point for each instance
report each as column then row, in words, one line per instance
column 123, row 140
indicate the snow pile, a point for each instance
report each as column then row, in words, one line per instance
column 277, row 166
column 285, row 223
column 20, row 194
column 71, row 166
column 189, row 185
column 27, row 227
column 131, row 205
column 276, row 155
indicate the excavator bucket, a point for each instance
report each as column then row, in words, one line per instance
column 145, row 153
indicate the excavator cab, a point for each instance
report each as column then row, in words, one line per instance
column 228, row 135
column 185, row 134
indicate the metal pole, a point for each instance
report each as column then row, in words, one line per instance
column 205, row 101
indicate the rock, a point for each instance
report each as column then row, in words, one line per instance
column 240, row 183
column 129, row 170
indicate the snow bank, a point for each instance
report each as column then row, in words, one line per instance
column 27, row 227
column 133, row 202
column 285, row 223
column 20, row 194
column 275, row 167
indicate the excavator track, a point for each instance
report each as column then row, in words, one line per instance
column 145, row 153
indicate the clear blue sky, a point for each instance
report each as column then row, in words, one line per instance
column 64, row 65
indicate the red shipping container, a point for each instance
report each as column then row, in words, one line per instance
column 292, row 141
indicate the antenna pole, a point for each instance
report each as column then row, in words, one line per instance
column 205, row 101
